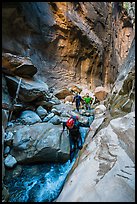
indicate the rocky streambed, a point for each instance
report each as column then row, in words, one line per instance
column 41, row 182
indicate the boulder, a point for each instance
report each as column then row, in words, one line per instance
column 69, row 98
column 55, row 100
column 55, row 120
column 55, row 111
column 66, row 108
column 75, row 89
column 48, row 117
column 16, row 65
column 45, row 104
column 100, row 93
column 42, row 112
column 10, row 161
column 8, row 138
column 30, row 89
column 29, row 117
column 99, row 110
column 61, row 94
column 7, row 150
column 40, row 142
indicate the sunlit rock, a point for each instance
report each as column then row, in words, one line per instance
column 55, row 111
column 61, row 94
column 100, row 93
column 69, row 98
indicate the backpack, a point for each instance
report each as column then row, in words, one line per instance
column 78, row 98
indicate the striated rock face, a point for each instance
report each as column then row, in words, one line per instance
column 68, row 42
column 125, row 129
column 122, row 99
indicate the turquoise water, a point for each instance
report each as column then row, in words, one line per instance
column 38, row 183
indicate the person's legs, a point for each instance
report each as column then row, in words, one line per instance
column 72, row 148
column 88, row 106
column 79, row 142
column 85, row 107
column 77, row 106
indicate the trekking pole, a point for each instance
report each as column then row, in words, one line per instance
column 17, row 92
column 60, row 137
column 15, row 100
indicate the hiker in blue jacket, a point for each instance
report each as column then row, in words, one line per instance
column 77, row 99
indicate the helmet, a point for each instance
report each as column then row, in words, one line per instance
column 70, row 123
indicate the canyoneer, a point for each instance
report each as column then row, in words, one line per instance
column 73, row 125
column 77, row 99
column 88, row 100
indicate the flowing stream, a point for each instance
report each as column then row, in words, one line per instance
column 39, row 182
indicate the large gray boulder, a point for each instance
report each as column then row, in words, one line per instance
column 29, row 117
column 30, row 89
column 40, row 142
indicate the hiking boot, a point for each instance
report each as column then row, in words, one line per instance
column 80, row 147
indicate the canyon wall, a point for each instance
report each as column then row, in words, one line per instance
column 69, row 42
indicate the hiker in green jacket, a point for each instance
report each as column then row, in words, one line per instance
column 88, row 101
